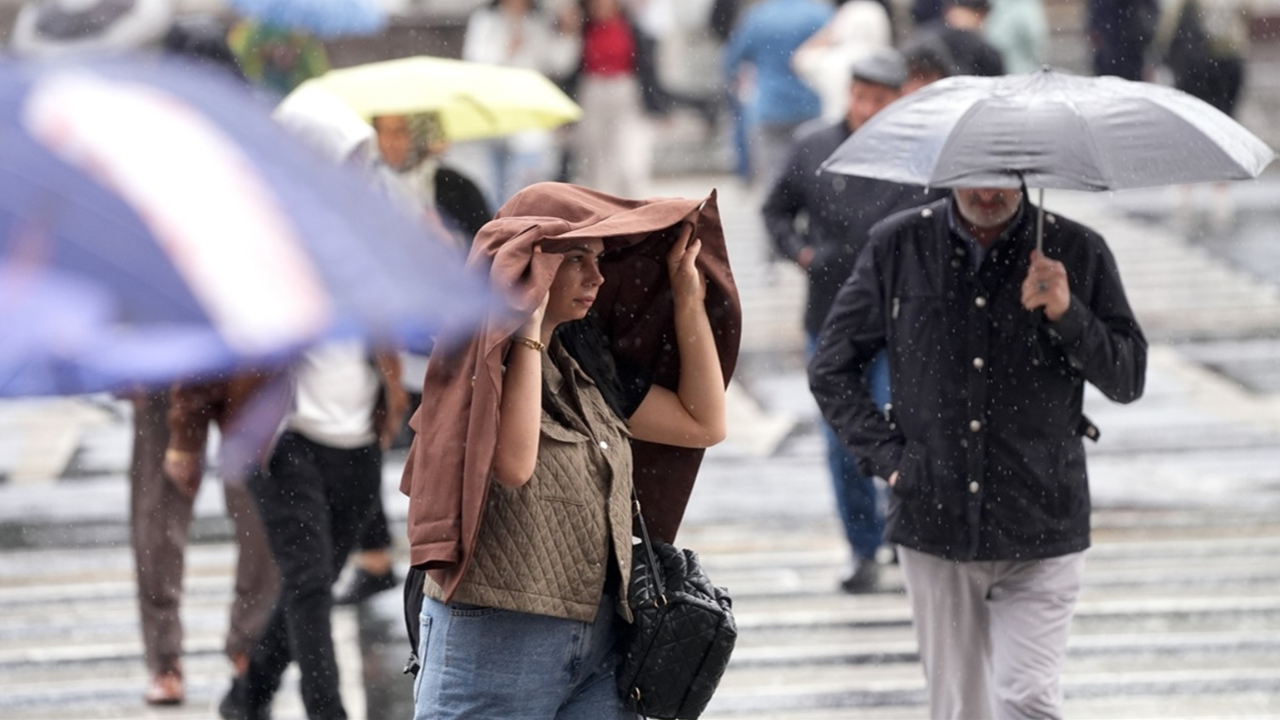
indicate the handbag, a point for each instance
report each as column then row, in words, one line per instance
column 677, row 647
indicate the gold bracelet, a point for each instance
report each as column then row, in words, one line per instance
column 176, row 455
column 535, row 345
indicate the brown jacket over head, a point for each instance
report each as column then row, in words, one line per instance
column 447, row 473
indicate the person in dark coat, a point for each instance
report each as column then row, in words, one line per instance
column 819, row 220
column 959, row 29
column 1119, row 32
column 925, row 11
column 990, row 345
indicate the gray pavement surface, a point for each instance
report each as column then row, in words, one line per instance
column 1181, row 615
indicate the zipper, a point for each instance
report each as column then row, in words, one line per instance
column 897, row 305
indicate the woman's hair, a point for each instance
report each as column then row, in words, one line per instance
column 623, row 387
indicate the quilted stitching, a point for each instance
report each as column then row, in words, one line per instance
column 543, row 548
column 676, row 652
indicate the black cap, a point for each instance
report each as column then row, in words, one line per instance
column 885, row 66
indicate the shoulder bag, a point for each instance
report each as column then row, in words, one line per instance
column 678, row 645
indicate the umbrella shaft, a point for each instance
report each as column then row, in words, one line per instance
column 1040, row 223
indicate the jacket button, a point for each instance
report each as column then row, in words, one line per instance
column 604, row 445
column 975, row 425
column 980, row 301
column 978, row 363
column 926, row 213
column 973, row 486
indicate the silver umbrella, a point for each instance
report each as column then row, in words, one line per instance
column 1049, row 129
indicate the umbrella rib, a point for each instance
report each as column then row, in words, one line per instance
column 956, row 132
column 1098, row 158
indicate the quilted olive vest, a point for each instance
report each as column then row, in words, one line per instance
column 544, row 547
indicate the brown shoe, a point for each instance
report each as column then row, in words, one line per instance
column 165, row 689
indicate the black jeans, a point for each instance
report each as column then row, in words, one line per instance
column 314, row 501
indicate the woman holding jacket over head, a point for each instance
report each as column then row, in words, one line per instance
column 625, row 329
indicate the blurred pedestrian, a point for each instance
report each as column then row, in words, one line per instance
column 613, row 143
column 342, row 405
column 1019, row 30
column 315, row 494
column 960, row 29
column 1119, row 32
column 1204, row 45
column 924, row 12
column 825, row 60
column 520, row 33
column 759, row 52
column 990, row 344
column 162, row 517
column 927, row 61
column 277, row 60
column 413, row 147
column 819, row 220
column 542, row 493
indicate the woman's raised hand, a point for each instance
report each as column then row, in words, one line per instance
column 686, row 279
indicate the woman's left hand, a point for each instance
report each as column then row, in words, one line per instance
column 686, row 280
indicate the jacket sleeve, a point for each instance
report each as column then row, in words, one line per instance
column 783, row 204
column 1102, row 340
column 850, row 338
column 192, row 406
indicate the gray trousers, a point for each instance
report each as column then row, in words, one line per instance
column 160, row 518
column 992, row 635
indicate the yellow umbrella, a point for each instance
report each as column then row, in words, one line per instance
column 472, row 100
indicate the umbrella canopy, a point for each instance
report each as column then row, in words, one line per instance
column 1050, row 130
column 155, row 223
column 56, row 28
column 472, row 100
column 322, row 18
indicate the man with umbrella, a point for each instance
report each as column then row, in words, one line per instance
column 820, row 220
column 990, row 343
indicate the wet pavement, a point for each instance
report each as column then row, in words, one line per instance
column 1181, row 615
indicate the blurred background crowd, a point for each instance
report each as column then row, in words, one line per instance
column 688, row 86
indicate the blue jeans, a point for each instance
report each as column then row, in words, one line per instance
column 483, row 663
column 858, row 500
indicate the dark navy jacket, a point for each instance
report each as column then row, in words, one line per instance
column 986, row 423
column 829, row 212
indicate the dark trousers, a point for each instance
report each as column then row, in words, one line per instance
column 377, row 533
column 314, row 501
column 160, row 518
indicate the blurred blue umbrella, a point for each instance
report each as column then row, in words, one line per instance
column 156, row 223
column 322, row 18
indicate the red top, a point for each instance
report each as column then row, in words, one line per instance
column 608, row 48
